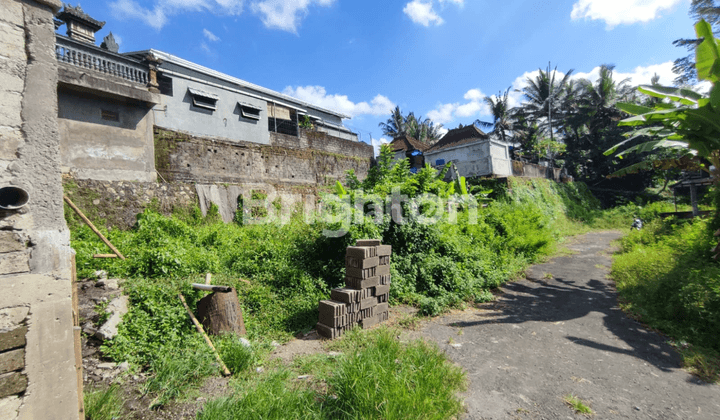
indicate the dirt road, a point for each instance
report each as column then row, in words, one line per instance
column 561, row 332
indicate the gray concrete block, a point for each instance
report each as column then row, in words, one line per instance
column 385, row 279
column 327, row 331
column 367, row 242
column 12, row 360
column 14, row 262
column 13, row 339
column 11, row 241
column 345, row 295
column 384, row 250
column 382, row 307
column 384, row 260
column 352, row 262
column 382, row 270
column 361, row 273
column 369, row 322
column 382, row 289
column 383, row 298
column 361, row 283
column 368, row 303
column 12, row 383
column 332, row 308
column 361, row 251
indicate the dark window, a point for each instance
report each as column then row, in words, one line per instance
column 109, row 115
column 165, row 84
column 202, row 99
column 249, row 111
column 284, row 126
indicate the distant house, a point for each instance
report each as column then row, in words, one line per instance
column 206, row 102
column 473, row 152
column 406, row 146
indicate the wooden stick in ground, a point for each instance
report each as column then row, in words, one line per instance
column 105, row 256
column 226, row 371
column 208, row 278
column 90, row 224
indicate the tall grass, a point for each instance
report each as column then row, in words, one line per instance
column 380, row 378
column 178, row 369
column 103, row 403
column 666, row 277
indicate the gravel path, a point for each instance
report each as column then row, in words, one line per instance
column 560, row 331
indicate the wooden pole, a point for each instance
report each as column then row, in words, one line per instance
column 77, row 338
column 90, row 224
column 226, row 371
column 208, row 278
column 105, row 256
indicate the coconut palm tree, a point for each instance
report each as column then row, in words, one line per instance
column 424, row 130
column 543, row 96
column 395, row 125
column 501, row 113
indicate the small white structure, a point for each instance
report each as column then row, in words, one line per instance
column 474, row 153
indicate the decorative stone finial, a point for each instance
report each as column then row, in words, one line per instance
column 80, row 26
column 110, row 44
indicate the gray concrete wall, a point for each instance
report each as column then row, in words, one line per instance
column 176, row 112
column 34, row 241
column 95, row 148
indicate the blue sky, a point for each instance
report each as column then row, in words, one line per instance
column 438, row 58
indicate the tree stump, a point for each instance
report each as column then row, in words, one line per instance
column 221, row 313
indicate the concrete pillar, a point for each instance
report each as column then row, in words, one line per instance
column 35, row 303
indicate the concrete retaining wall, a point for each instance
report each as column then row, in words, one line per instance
column 302, row 161
column 38, row 379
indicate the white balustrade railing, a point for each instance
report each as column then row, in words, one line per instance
column 87, row 56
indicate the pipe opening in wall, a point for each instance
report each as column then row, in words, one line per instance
column 13, row 198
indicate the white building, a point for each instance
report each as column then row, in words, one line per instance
column 473, row 152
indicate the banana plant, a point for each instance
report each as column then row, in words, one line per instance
column 684, row 120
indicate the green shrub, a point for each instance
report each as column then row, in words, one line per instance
column 666, row 275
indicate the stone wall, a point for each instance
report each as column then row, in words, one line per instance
column 117, row 203
column 38, row 376
column 309, row 160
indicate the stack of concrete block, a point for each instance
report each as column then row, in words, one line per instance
column 364, row 299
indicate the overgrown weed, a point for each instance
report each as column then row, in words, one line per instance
column 103, row 403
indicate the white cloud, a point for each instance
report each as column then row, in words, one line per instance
column 620, row 12
column 317, row 95
column 457, row 2
column 277, row 14
column 157, row 17
column 210, row 36
column 376, row 144
column 285, row 14
column 473, row 107
column 640, row 75
column 422, row 13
